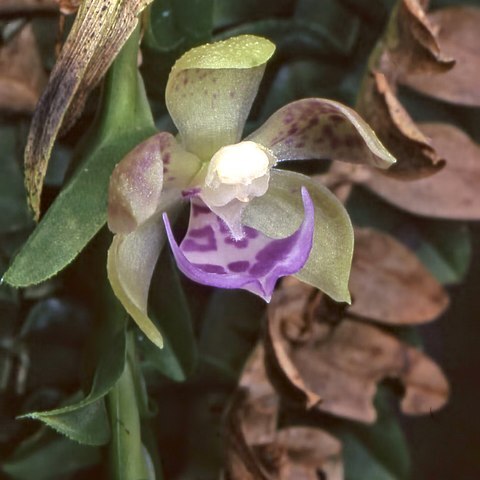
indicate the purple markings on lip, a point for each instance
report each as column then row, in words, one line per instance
column 207, row 233
column 238, row 267
column 272, row 254
column 255, row 268
column 210, row 268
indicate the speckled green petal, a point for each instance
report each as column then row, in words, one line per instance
column 321, row 128
column 131, row 261
column 279, row 213
column 139, row 181
column 211, row 89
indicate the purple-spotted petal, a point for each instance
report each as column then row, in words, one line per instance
column 139, row 180
column 131, row 261
column 319, row 128
column 209, row 255
column 211, row 89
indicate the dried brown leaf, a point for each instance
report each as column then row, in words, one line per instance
column 410, row 43
column 390, row 285
column 310, row 451
column 288, row 318
column 416, row 158
column 67, row 7
column 97, row 35
column 459, row 37
column 453, row 192
column 22, row 77
column 257, row 451
column 343, row 362
column 22, row 7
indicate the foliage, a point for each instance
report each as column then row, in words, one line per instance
column 323, row 404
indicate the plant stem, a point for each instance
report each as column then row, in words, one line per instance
column 129, row 458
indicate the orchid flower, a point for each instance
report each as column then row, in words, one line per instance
column 250, row 222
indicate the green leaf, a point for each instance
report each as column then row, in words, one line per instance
column 175, row 24
column 443, row 246
column 85, row 420
column 79, row 211
column 173, row 27
column 13, row 205
column 375, row 452
column 229, row 12
column 86, row 423
column 331, row 19
column 46, row 455
column 170, row 312
column 231, row 327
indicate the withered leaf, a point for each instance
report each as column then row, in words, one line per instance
column 97, row 35
column 260, row 406
column 309, row 452
column 453, row 192
column 410, row 43
column 416, row 158
column 459, row 37
column 22, row 77
column 343, row 362
column 22, row 7
column 288, row 318
column 390, row 285
column 67, row 7
column 256, row 450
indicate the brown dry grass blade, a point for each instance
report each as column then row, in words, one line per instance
column 390, row 285
column 256, row 450
column 452, row 193
column 416, row 158
column 459, row 37
column 98, row 33
column 343, row 361
column 22, row 77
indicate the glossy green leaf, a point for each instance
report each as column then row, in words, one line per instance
column 13, row 205
column 47, row 455
column 376, row 452
column 443, row 246
column 79, row 211
column 229, row 12
column 170, row 312
column 279, row 213
column 231, row 326
column 331, row 19
column 172, row 28
column 175, row 24
column 85, row 420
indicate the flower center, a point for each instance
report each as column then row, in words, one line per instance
column 241, row 163
column 240, row 171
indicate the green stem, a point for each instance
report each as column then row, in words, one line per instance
column 129, row 459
